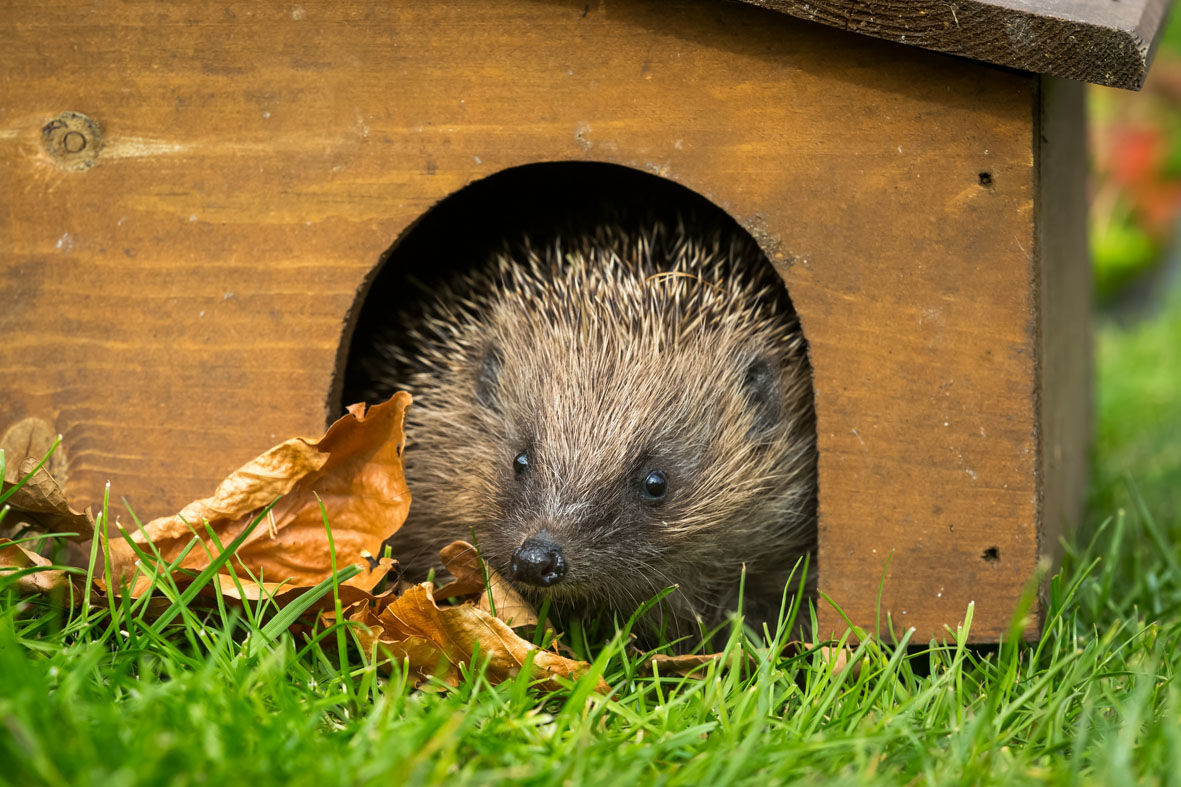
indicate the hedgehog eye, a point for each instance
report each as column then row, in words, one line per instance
column 521, row 463
column 656, row 485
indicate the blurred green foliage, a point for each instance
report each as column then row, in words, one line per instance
column 1170, row 42
column 1138, row 440
column 1136, row 173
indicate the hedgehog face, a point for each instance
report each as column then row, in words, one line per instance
column 631, row 468
column 612, row 418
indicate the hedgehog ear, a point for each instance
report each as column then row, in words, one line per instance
column 760, row 382
column 488, row 377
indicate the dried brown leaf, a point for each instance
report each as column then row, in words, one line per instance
column 282, row 593
column 422, row 657
column 464, row 564
column 14, row 557
column 694, row 665
column 32, row 437
column 435, row 640
column 39, row 505
column 355, row 469
column 839, row 657
column 690, row 665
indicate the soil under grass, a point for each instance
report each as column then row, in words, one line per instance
column 107, row 698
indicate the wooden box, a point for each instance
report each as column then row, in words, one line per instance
column 195, row 196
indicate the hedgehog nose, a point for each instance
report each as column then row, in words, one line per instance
column 539, row 561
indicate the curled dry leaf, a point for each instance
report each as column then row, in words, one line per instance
column 435, row 640
column 14, row 557
column 37, row 438
column 355, row 469
column 497, row 597
column 282, row 593
column 839, row 658
column 689, row 665
column 42, row 497
column 39, row 506
column 694, row 665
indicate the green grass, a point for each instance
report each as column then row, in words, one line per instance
column 216, row 697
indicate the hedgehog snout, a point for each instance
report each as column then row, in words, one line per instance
column 539, row 561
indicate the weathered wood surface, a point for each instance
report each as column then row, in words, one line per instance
column 1064, row 294
column 180, row 305
column 1109, row 42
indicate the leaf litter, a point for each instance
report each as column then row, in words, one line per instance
column 279, row 507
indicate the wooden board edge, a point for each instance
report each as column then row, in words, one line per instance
column 1065, row 407
column 1109, row 45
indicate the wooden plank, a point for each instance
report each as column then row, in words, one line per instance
column 181, row 304
column 1108, row 42
column 1064, row 302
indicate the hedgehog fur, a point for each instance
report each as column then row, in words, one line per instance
column 602, row 356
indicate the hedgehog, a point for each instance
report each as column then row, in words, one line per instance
column 609, row 413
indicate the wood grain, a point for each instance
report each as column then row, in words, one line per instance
column 181, row 305
column 1108, row 42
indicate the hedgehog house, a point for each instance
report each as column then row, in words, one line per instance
column 198, row 197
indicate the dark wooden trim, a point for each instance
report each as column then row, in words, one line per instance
column 1065, row 404
column 1108, row 42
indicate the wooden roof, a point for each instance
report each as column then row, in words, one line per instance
column 1109, row 42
